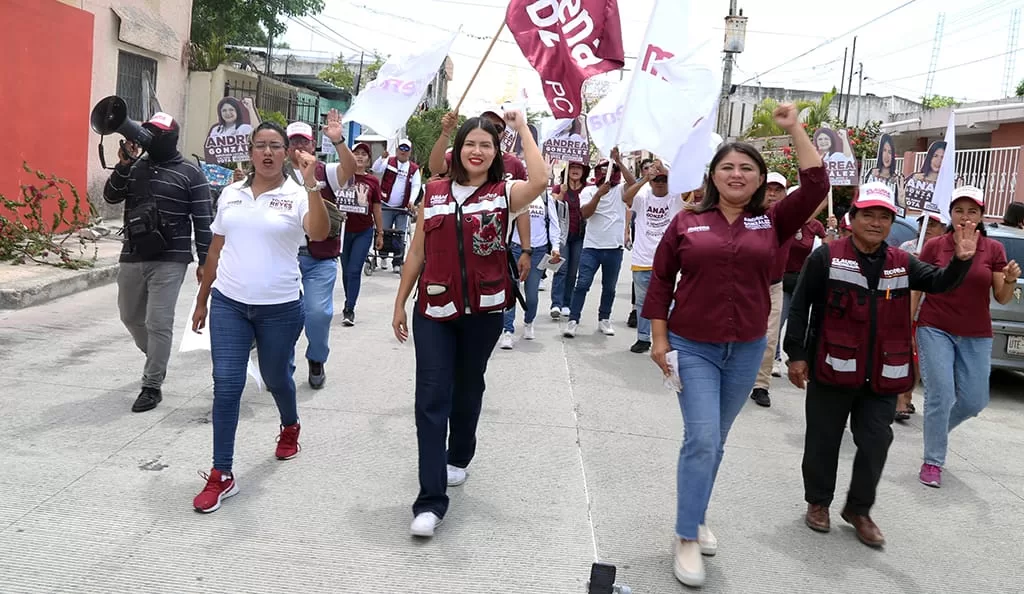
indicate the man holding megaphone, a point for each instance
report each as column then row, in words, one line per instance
column 165, row 196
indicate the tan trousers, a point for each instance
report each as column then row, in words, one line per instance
column 764, row 375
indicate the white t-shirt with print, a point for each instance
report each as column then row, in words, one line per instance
column 544, row 227
column 653, row 215
column 607, row 227
column 261, row 237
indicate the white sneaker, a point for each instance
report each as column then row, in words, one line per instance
column 606, row 327
column 424, row 524
column 555, row 313
column 528, row 333
column 456, row 476
column 708, row 542
column 507, row 341
column 688, row 566
column 570, row 329
column 777, row 369
column 565, row 312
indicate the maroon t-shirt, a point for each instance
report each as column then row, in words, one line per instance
column 514, row 168
column 781, row 259
column 964, row 310
column 356, row 223
column 802, row 243
column 723, row 269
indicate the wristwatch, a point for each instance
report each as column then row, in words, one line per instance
column 316, row 187
column 340, row 142
column 528, row 251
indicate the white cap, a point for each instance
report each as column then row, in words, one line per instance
column 973, row 192
column 299, row 129
column 791, row 190
column 777, row 178
column 405, row 141
column 875, row 194
column 162, row 120
column 932, row 215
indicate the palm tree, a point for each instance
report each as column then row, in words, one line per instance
column 812, row 113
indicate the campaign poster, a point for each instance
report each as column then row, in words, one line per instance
column 886, row 172
column 920, row 187
column 354, row 198
column 570, row 141
column 834, row 148
column 228, row 139
column 508, row 140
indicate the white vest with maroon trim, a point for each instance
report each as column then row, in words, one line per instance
column 466, row 268
column 387, row 181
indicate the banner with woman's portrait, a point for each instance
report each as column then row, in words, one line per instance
column 354, row 198
column 921, row 186
column 834, row 148
column 885, row 171
column 228, row 139
column 568, row 141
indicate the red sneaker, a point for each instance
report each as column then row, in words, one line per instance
column 218, row 487
column 288, row 442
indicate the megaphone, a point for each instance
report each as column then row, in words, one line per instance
column 109, row 116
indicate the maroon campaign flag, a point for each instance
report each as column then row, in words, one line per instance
column 567, row 43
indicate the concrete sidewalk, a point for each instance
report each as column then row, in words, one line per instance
column 577, row 453
column 31, row 284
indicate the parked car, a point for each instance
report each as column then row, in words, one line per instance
column 1008, row 320
column 903, row 229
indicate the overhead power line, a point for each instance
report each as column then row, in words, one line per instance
column 925, row 73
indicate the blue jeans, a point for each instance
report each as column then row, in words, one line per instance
column 716, row 378
column 318, row 278
column 233, row 326
column 564, row 284
column 641, row 280
column 610, row 262
column 955, row 372
column 532, row 287
column 354, row 249
column 787, row 298
column 451, row 360
column 399, row 220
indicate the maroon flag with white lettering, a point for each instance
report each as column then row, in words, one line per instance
column 567, row 43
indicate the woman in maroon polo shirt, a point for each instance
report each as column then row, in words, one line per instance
column 722, row 252
column 954, row 332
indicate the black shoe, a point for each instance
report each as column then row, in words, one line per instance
column 631, row 322
column 640, row 346
column 147, row 400
column 760, row 396
column 348, row 318
column 317, row 375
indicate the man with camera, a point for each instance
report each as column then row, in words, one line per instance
column 165, row 196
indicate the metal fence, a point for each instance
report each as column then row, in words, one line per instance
column 270, row 95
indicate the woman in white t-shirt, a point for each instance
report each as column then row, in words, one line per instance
column 251, row 279
column 655, row 208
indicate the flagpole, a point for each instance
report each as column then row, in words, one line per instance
column 481, row 65
column 948, row 162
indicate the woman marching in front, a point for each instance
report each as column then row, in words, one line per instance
column 458, row 263
column 363, row 228
column 252, row 280
column 723, row 248
column 954, row 332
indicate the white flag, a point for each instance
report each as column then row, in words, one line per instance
column 387, row 103
column 672, row 92
column 945, row 181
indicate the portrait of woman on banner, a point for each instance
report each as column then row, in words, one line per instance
column 835, row 151
column 921, row 186
column 885, row 172
column 227, row 141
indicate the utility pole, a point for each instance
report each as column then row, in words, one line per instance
column 860, row 89
column 842, row 84
column 359, row 75
column 849, row 84
column 735, row 37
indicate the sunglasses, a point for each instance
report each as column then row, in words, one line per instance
column 404, row 147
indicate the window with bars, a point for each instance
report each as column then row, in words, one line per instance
column 136, row 84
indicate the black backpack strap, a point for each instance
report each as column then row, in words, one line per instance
column 513, row 265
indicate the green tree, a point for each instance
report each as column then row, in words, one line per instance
column 534, row 117
column 937, row 101
column 343, row 75
column 423, row 129
column 242, row 22
column 812, row 113
column 1020, row 88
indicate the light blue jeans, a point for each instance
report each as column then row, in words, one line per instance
column 318, row 279
column 717, row 379
column 641, row 280
column 532, row 287
column 955, row 372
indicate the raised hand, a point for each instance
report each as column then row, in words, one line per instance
column 333, row 128
column 307, row 165
column 965, row 240
column 515, row 120
column 786, row 116
column 449, row 121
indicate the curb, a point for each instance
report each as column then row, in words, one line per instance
column 37, row 294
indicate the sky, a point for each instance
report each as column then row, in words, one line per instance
column 895, row 50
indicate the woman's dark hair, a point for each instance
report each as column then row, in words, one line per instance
column 934, row 148
column 1014, row 215
column 884, row 140
column 981, row 226
column 241, row 114
column 576, row 127
column 267, row 125
column 711, row 197
column 836, row 145
column 497, row 171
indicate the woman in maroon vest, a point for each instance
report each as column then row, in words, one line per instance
column 458, row 263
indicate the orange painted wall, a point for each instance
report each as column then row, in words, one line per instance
column 46, row 75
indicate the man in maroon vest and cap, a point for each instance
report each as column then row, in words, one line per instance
column 400, row 184
column 848, row 341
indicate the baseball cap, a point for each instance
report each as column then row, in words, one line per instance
column 299, row 129
column 844, row 223
column 931, row 215
column 364, row 146
column 973, row 192
column 777, row 178
column 791, row 190
column 162, row 121
column 875, row 194
column 405, row 142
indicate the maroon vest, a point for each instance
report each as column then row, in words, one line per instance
column 846, row 357
column 387, row 181
column 466, row 267
column 328, row 248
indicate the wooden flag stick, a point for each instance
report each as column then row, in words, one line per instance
column 480, row 65
column 831, row 211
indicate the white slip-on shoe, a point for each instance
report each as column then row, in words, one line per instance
column 456, row 476
column 570, row 329
column 528, row 333
column 688, row 565
column 424, row 524
column 707, row 540
column 507, row 341
column 606, row 327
